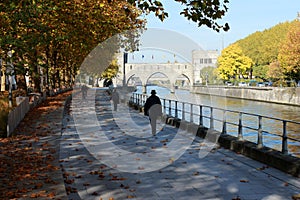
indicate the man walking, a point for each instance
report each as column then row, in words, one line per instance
column 84, row 90
column 115, row 98
column 153, row 109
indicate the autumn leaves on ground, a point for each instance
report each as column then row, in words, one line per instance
column 28, row 161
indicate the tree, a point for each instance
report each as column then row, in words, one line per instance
column 233, row 63
column 262, row 46
column 52, row 37
column 207, row 74
column 260, row 72
column 111, row 71
column 289, row 53
column 201, row 12
column 275, row 72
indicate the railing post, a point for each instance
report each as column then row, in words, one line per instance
column 140, row 100
column 200, row 116
column 176, row 109
column 212, row 118
column 240, row 128
column 224, row 129
column 191, row 114
column 183, row 111
column 259, row 136
column 284, row 139
column 164, row 100
column 136, row 99
column 170, row 109
column 144, row 99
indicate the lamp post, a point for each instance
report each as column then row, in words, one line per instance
column 125, row 59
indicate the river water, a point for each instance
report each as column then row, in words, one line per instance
column 285, row 112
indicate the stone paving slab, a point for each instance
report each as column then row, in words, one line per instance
column 109, row 159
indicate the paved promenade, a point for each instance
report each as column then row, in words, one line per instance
column 113, row 155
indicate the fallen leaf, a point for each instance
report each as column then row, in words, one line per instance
column 38, row 185
column 196, row 173
column 95, row 193
column 244, row 181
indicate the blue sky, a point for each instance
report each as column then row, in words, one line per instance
column 244, row 17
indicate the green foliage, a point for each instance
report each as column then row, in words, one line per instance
column 233, row 63
column 208, row 74
column 274, row 51
column 111, row 71
column 275, row 72
column 260, row 72
column 262, row 47
column 206, row 12
column 53, row 37
column 201, row 12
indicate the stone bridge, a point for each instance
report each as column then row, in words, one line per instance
column 170, row 71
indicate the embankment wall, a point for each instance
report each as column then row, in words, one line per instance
column 287, row 95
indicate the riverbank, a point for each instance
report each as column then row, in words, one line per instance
column 287, row 95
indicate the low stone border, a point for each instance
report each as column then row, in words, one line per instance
column 25, row 104
column 271, row 157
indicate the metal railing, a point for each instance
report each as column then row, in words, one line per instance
column 243, row 121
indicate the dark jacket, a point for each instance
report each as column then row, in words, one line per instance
column 152, row 100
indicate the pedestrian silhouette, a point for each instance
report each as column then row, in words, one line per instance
column 84, row 90
column 153, row 109
column 115, row 98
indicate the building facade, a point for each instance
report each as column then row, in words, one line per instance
column 201, row 59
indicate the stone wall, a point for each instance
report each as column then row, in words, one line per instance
column 287, row 95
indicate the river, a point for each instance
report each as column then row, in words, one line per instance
column 280, row 111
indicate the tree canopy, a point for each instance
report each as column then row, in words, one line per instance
column 201, row 12
column 51, row 38
column 274, row 53
column 289, row 53
column 262, row 47
column 233, row 63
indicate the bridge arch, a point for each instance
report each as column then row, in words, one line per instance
column 171, row 70
column 157, row 73
column 181, row 80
